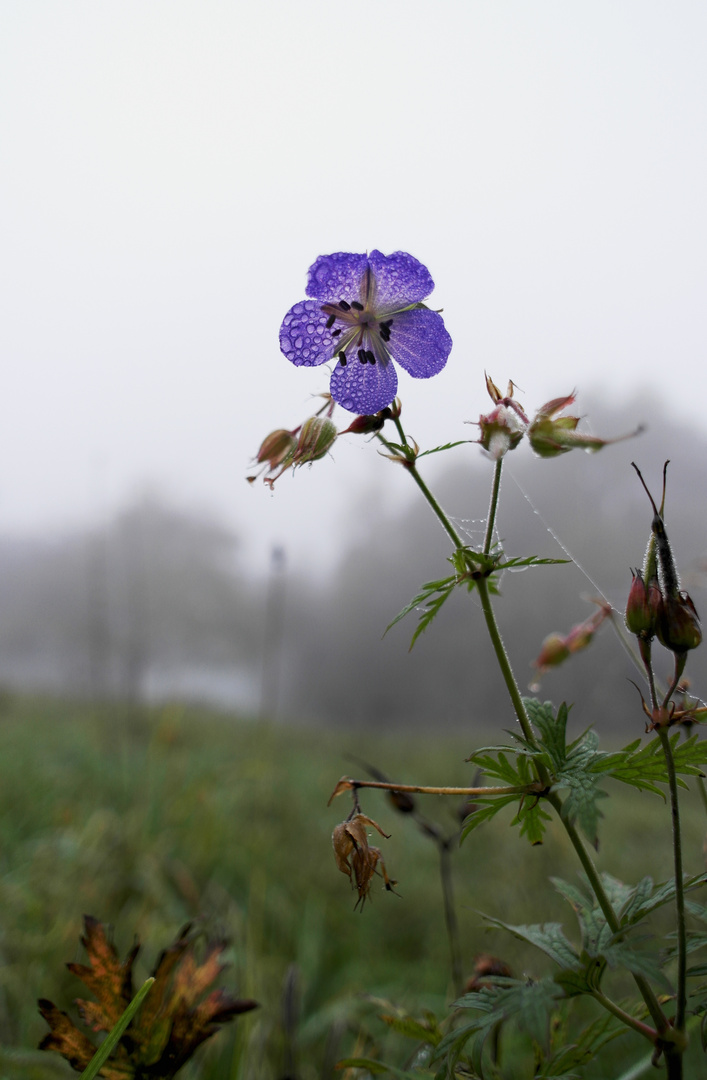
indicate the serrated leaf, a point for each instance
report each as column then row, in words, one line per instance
column 645, row 768
column 161, row 1037
column 430, row 598
column 483, row 813
column 663, row 893
column 447, row 446
column 528, row 1002
column 531, row 818
column 548, row 937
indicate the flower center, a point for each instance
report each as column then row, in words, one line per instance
column 357, row 331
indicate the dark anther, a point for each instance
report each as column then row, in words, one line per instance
column 335, row 333
column 362, row 356
column 355, row 304
column 342, row 357
column 330, row 321
column 344, row 306
column 370, row 357
column 384, row 332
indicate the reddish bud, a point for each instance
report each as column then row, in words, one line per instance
column 367, row 425
column 678, row 623
column 556, row 648
column 553, row 652
column 276, row 447
column 642, row 607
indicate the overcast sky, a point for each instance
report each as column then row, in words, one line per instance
column 169, row 170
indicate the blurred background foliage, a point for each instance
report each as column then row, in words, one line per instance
column 149, row 819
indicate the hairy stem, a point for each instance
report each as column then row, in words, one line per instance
column 679, row 887
column 504, row 663
column 493, row 505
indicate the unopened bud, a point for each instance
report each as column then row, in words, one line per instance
column 276, row 447
column 317, row 436
column 501, row 431
column 553, row 652
column 551, row 435
column 642, row 607
column 678, row 623
column 367, row 425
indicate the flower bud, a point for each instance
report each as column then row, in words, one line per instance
column 276, row 447
column 317, row 436
column 678, row 623
column 551, row 435
column 367, row 425
column 553, row 652
column 642, row 607
column 501, row 431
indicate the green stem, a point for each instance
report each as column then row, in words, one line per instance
column 504, row 663
column 679, row 887
column 493, row 506
column 412, row 469
column 626, row 1018
column 590, row 870
column 521, row 713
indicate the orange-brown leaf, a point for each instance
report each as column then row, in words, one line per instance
column 65, row 1037
column 109, row 980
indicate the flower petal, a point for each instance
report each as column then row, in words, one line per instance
column 364, row 388
column 304, row 338
column 420, row 342
column 337, row 277
column 400, row 279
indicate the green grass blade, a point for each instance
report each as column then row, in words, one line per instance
column 113, row 1038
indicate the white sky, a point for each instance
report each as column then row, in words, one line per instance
column 169, row 170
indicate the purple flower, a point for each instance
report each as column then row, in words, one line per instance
column 366, row 312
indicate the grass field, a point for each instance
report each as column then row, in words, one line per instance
column 150, row 819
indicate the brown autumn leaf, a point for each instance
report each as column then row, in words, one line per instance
column 180, row 1012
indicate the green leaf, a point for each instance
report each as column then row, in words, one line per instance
column 430, row 598
column 531, row 560
column 548, row 937
column 552, row 728
column 531, row 818
column 585, row 1047
column 114, row 1036
column 645, row 768
column 642, row 905
column 530, row 1003
column 412, row 1028
column 489, row 808
column 447, row 446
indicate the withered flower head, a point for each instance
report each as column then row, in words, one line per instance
column 356, row 858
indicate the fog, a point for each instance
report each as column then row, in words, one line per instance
column 162, row 603
column 170, row 170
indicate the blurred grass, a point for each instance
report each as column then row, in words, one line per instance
column 150, row 818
